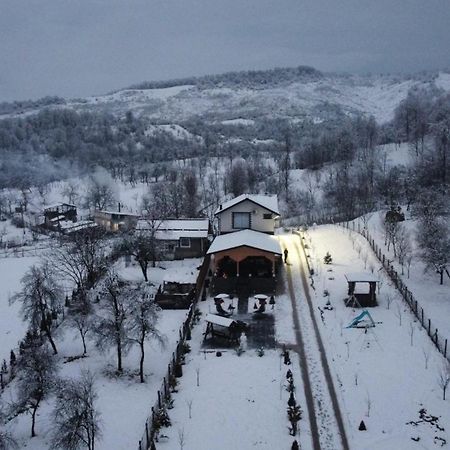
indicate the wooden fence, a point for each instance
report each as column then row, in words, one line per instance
column 173, row 369
column 440, row 342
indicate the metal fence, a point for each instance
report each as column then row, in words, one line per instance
column 440, row 342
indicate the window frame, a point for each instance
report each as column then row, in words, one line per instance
column 181, row 242
column 241, row 213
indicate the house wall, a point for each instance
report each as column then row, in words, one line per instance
column 257, row 221
column 197, row 249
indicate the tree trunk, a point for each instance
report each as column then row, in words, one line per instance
column 52, row 342
column 119, row 357
column 441, row 273
column 143, row 265
column 33, row 420
column 141, row 362
column 83, row 339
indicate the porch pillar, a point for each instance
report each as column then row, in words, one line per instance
column 237, row 268
column 273, row 267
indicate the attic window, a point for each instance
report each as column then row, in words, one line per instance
column 267, row 216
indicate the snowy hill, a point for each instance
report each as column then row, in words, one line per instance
column 238, row 98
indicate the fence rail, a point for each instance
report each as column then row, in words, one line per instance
column 173, row 369
column 440, row 342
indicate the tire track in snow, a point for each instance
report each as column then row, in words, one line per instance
column 330, row 425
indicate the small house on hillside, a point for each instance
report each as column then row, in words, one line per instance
column 59, row 212
column 179, row 238
column 115, row 220
column 248, row 212
column 244, row 262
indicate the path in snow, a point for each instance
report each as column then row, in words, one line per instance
column 327, row 426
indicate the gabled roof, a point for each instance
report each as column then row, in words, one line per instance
column 269, row 202
column 58, row 205
column 245, row 238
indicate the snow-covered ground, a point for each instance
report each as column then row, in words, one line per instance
column 123, row 402
column 240, row 402
column 380, row 374
column 12, row 329
column 431, row 296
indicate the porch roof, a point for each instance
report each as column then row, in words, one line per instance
column 245, row 238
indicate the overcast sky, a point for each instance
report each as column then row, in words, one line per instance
column 78, row 48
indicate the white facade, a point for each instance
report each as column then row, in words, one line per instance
column 246, row 215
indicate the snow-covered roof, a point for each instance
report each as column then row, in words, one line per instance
column 270, row 202
column 70, row 227
column 246, row 238
column 174, row 229
column 181, row 276
column 362, row 277
column 58, row 205
column 116, row 213
column 218, row 320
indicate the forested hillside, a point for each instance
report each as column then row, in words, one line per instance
column 244, row 131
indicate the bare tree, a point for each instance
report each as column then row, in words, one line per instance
column 112, row 324
column 80, row 317
column 189, row 405
column 398, row 313
column 40, row 297
column 143, row 317
column 426, row 357
column 444, row 378
column 411, row 333
column 368, row 404
column 100, row 192
column 80, row 259
column 37, row 373
column 76, row 422
column 434, row 241
column 7, row 441
column 404, row 247
column 181, row 438
column 71, row 191
column 142, row 245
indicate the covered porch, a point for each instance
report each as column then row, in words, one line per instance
column 247, row 266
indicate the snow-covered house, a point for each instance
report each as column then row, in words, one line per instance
column 248, row 211
column 244, row 262
column 115, row 220
column 179, row 238
column 59, row 212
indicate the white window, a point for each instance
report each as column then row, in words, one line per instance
column 185, row 242
column 241, row 220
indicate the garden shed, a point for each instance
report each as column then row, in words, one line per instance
column 362, row 287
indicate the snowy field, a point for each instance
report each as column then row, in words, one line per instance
column 123, row 402
column 12, row 329
column 240, row 402
column 387, row 375
column 434, row 298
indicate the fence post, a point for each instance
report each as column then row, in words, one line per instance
column 421, row 316
column 159, row 399
column 429, row 327
column 445, row 349
column 146, row 434
column 140, row 445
